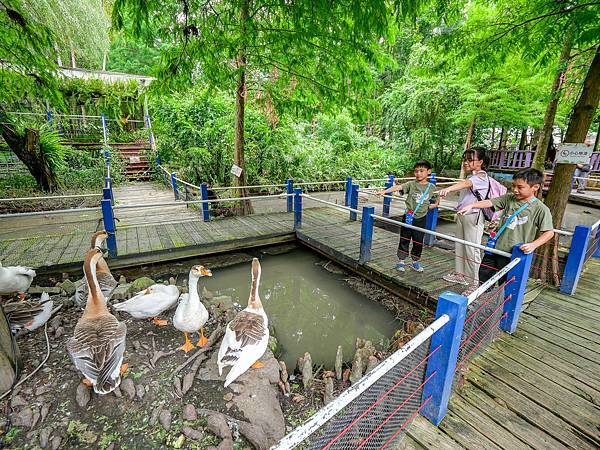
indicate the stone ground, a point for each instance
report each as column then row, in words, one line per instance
column 155, row 406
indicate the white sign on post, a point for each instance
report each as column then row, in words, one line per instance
column 236, row 170
column 574, row 153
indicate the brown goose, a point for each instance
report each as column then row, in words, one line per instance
column 106, row 281
column 26, row 316
column 98, row 343
column 246, row 336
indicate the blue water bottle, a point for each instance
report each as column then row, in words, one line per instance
column 409, row 217
column 491, row 243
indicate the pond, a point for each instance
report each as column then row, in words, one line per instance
column 309, row 308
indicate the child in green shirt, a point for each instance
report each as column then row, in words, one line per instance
column 420, row 198
column 523, row 217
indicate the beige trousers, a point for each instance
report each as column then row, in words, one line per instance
column 468, row 259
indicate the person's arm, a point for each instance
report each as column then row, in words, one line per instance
column 435, row 201
column 531, row 246
column 397, row 187
column 465, row 184
column 478, row 205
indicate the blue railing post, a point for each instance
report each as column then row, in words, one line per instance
column 431, row 219
column 576, row 259
column 158, row 159
column 515, row 290
column 109, row 224
column 174, row 185
column 108, row 187
column 348, row 191
column 366, row 234
column 597, row 237
column 353, row 201
column 49, row 117
column 289, row 190
column 297, row 208
column 444, row 347
column 387, row 199
column 204, row 196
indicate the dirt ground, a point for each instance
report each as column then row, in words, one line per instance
column 149, row 410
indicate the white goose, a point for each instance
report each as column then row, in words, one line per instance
column 150, row 302
column 191, row 315
column 247, row 335
column 15, row 279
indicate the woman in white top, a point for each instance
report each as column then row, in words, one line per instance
column 470, row 226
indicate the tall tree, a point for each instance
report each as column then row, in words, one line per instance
column 301, row 53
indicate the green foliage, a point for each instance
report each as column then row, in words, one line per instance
column 53, row 149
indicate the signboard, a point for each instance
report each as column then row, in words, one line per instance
column 574, row 153
column 236, row 170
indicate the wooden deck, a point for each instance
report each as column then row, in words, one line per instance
column 538, row 388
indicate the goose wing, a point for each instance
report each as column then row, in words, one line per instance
column 243, row 333
column 97, row 349
column 28, row 315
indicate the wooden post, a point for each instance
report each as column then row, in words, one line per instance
column 10, row 359
column 442, row 363
column 576, row 259
column 366, row 234
column 516, row 289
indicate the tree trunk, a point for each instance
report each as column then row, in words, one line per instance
column 597, row 138
column 27, row 148
column 73, row 58
column 493, row 137
column 504, row 135
column 523, row 141
column 9, row 355
column 245, row 207
column 546, row 133
column 470, row 132
column 579, row 124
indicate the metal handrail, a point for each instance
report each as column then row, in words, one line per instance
column 398, row 197
column 50, row 213
column 194, row 202
column 443, row 236
column 331, row 409
column 14, row 199
column 346, row 208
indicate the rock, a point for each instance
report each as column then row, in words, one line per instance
column 59, row 332
column 328, row 395
column 273, row 343
column 136, row 345
column 140, row 284
column 283, row 375
column 24, row 418
column 122, row 279
column 307, row 372
column 140, row 391
column 339, row 359
column 372, row 363
column 255, row 435
column 357, row 368
column 55, row 322
column 117, row 392
column 68, row 286
column 217, row 425
column 55, row 442
column 226, row 444
column 228, row 397
column 128, row 388
column 35, row 418
column 299, row 364
column 346, row 375
column 222, row 302
column 17, row 400
column 64, row 276
column 44, row 412
column 154, row 416
column 82, row 395
column 121, row 292
column 44, row 436
column 189, row 412
column 189, row 432
column 165, row 419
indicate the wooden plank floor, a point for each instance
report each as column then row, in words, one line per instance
column 538, row 388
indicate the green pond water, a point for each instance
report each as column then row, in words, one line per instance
column 309, row 308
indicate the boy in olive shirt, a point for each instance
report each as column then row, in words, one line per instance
column 523, row 217
column 420, row 198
